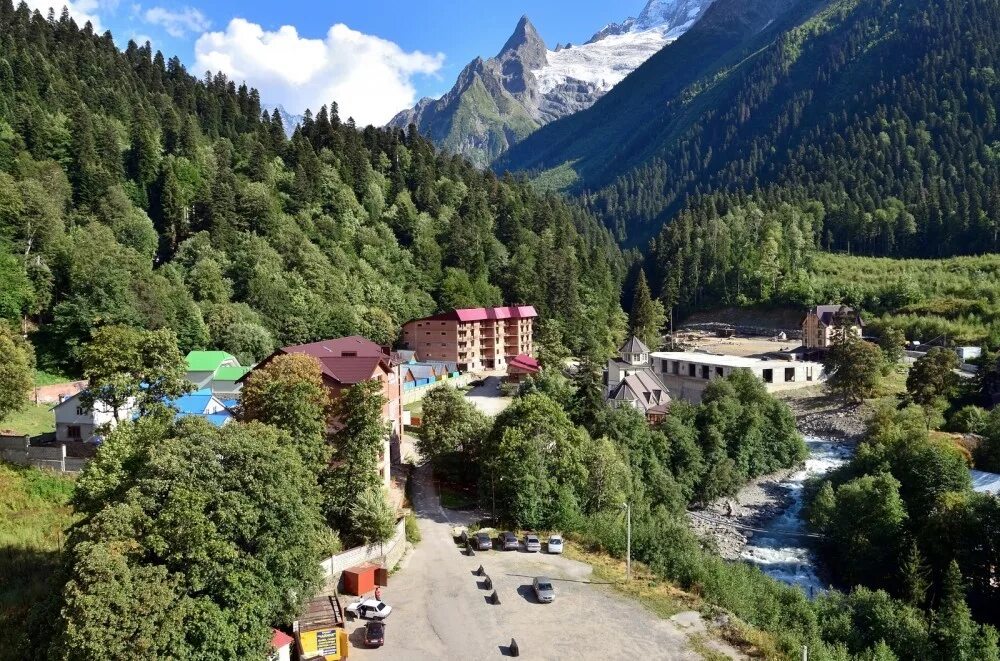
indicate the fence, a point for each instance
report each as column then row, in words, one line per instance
column 387, row 554
column 18, row 450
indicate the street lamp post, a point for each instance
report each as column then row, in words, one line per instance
column 628, row 541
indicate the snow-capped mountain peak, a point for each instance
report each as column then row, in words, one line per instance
column 672, row 18
column 590, row 70
column 498, row 101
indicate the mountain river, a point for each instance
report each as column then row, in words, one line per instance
column 782, row 551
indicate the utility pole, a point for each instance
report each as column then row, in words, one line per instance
column 628, row 541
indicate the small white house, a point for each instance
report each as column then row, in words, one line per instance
column 281, row 646
column 75, row 423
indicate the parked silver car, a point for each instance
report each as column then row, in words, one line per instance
column 544, row 591
column 532, row 544
column 555, row 544
column 508, row 541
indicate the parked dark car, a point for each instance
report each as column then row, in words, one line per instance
column 508, row 541
column 375, row 634
column 483, row 542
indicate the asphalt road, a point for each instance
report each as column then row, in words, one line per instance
column 440, row 610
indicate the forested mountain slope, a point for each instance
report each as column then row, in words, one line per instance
column 134, row 193
column 881, row 111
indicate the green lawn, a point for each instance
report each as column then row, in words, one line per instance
column 34, row 420
column 34, row 515
column 43, row 378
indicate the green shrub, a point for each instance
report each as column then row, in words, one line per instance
column 412, row 529
column 968, row 420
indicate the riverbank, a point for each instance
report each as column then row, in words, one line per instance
column 759, row 502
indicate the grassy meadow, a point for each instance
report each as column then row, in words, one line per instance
column 34, row 515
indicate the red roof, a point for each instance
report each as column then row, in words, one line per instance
column 364, row 357
column 483, row 314
column 355, row 344
column 524, row 362
column 351, row 370
column 280, row 639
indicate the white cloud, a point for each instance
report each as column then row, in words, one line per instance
column 80, row 10
column 177, row 23
column 369, row 77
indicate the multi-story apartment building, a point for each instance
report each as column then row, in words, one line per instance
column 473, row 338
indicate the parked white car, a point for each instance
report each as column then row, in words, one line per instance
column 370, row 608
column 555, row 544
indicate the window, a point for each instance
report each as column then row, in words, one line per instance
column 768, row 376
column 676, row 367
column 718, row 372
column 692, row 369
column 73, row 431
column 704, row 371
column 789, row 374
column 349, row 354
column 809, row 374
column 79, row 410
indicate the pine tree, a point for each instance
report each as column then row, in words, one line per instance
column 952, row 629
column 646, row 319
column 915, row 576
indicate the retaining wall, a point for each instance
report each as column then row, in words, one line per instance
column 387, row 554
column 18, row 450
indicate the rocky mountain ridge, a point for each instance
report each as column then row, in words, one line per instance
column 497, row 102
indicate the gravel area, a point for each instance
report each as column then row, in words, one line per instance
column 441, row 611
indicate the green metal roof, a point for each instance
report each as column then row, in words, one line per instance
column 230, row 373
column 207, row 361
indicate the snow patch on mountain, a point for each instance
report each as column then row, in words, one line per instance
column 603, row 63
column 620, row 48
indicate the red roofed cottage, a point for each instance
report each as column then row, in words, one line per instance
column 347, row 361
column 474, row 338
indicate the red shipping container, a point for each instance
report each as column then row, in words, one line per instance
column 359, row 580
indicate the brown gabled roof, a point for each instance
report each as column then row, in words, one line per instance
column 356, row 344
column 345, row 370
column 351, row 370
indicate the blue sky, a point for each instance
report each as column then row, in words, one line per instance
column 381, row 56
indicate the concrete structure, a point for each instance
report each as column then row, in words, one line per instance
column 74, row 422
column 473, row 338
column 348, row 361
column 630, row 380
column 217, row 370
column 822, row 325
column 687, row 374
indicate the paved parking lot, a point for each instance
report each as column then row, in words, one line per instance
column 440, row 610
column 487, row 397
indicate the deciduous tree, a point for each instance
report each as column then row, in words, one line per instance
column 288, row 393
column 854, row 369
column 17, row 363
column 126, row 365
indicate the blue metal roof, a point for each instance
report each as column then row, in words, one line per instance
column 194, row 403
